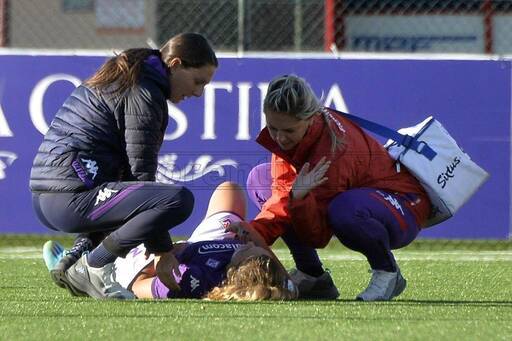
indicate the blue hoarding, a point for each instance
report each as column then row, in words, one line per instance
column 211, row 139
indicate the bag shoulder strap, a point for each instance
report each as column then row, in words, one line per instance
column 408, row 141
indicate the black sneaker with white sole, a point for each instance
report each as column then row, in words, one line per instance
column 314, row 288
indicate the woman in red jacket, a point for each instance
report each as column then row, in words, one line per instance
column 329, row 178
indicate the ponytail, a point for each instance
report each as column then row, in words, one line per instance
column 121, row 71
column 333, row 125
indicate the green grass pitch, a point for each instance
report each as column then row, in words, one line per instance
column 453, row 293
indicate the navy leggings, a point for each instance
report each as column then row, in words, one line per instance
column 366, row 220
column 131, row 212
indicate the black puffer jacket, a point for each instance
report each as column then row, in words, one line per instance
column 97, row 137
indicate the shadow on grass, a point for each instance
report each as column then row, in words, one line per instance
column 487, row 303
column 194, row 303
column 253, row 315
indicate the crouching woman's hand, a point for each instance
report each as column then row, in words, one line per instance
column 167, row 270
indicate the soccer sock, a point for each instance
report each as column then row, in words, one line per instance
column 100, row 256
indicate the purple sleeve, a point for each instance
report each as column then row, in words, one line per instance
column 194, row 283
column 159, row 290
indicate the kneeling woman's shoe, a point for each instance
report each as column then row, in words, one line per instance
column 95, row 282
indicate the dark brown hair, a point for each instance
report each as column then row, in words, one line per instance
column 193, row 49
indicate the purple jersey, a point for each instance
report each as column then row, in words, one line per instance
column 202, row 266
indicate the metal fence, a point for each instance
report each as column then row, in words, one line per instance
column 427, row 26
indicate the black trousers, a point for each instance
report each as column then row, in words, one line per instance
column 131, row 212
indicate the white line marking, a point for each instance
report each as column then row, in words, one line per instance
column 27, row 252
column 459, row 256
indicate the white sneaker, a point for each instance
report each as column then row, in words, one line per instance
column 95, row 282
column 383, row 286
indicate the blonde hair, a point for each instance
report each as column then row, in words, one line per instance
column 292, row 95
column 255, row 279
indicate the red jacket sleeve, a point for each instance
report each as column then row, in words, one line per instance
column 309, row 220
column 274, row 217
column 309, row 214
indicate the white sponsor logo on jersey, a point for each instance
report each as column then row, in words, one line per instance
column 194, row 283
column 104, row 194
column 225, row 222
column 212, row 263
column 217, row 248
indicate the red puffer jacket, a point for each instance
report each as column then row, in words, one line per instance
column 361, row 162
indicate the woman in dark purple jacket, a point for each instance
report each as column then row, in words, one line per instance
column 94, row 173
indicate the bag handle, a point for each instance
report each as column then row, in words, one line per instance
column 408, row 141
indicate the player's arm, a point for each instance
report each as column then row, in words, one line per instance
column 141, row 285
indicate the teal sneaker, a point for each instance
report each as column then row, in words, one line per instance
column 58, row 260
column 52, row 253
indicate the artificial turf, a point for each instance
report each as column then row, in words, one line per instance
column 454, row 293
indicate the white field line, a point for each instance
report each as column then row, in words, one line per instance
column 21, row 252
column 465, row 256
column 24, row 252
